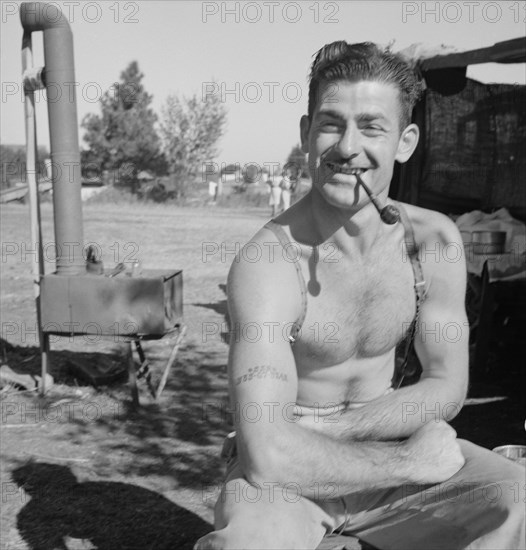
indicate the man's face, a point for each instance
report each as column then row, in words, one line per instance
column 355, row 127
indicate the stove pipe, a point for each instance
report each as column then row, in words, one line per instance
column 59, row 79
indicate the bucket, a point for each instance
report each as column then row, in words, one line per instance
column 517, row 453
column 489, row 242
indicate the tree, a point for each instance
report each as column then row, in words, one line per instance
column 123, row 137
column 298, row 159
column 190, row 129
column 13, row 164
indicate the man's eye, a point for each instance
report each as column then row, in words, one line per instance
column 372, row 130
column 329, row 127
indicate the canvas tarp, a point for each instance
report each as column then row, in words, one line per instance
column 471, row 153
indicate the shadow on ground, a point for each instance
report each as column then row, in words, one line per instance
column 26, row 360
column 109, row 515
column 178, row 437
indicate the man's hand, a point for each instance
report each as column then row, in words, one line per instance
column 434, row 453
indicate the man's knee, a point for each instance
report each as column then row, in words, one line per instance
column 249, row 516
column 223, row 539
column 241, row 538
column 238, row 497
column 209, row 542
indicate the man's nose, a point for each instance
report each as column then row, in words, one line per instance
column 350, row 143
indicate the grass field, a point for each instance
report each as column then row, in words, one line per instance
column 80, row 468
column 145, row 479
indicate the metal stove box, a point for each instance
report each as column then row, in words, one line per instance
column 149, row 305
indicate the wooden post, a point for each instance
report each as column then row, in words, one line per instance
column 34, row 202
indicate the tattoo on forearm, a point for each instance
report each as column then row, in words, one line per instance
column 259, row 372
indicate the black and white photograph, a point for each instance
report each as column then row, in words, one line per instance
column 263, row 275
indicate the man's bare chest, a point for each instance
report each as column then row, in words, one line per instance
column 356, row 309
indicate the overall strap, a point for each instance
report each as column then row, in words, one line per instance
column 412, row 252
column 419, row 288
column 285, row 242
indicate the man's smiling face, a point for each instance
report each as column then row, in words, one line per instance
column 355, row 127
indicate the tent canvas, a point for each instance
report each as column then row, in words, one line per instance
column 471, row 153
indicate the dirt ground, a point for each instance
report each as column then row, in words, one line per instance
column 80, row 468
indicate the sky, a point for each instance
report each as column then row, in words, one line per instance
column 256, row 55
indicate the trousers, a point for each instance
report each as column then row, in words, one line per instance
column 480, row 507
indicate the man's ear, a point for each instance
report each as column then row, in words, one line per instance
column 304, row 133
column 407, row 143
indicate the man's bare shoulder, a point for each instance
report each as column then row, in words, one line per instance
column 441, row 252
column 262, row 279
column 431, row 227
column 274, row 249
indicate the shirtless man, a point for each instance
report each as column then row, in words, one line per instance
column 323, row 444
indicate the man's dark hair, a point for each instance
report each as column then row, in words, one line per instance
column 365, row 61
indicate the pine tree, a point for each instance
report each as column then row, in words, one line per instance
column 123, row 136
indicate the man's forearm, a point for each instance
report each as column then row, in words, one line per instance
column 323, row 468
column 396, row 415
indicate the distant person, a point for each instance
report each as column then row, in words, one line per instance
column 275, row 194
column 287, row 185
column 213, row 190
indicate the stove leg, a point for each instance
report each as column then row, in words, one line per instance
column 132, row 377
column 44, row 352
